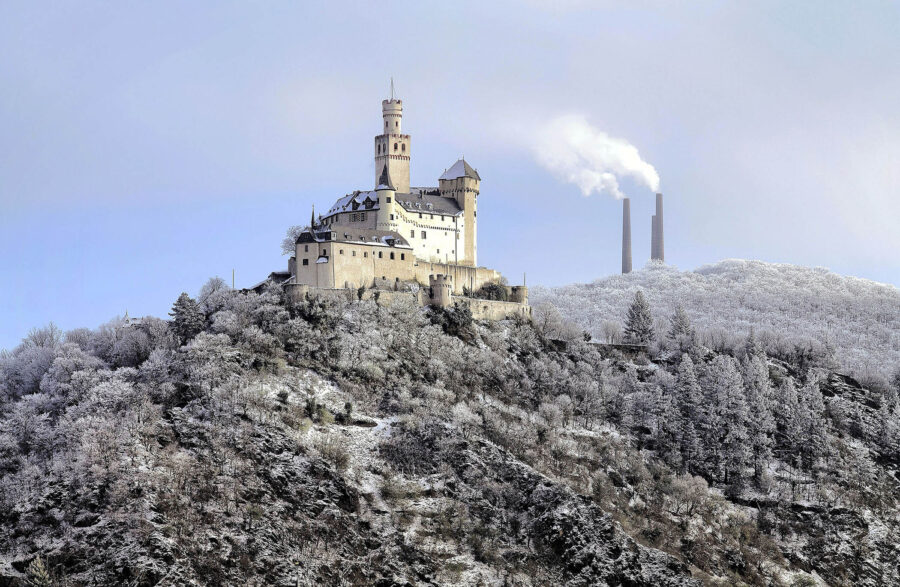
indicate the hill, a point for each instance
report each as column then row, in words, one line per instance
column 857, row 319
column 254, row 440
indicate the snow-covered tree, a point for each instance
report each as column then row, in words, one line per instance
column 288, row 244
column 688, row 400
column 213, row 295
column 639, row 321
column 760, row 421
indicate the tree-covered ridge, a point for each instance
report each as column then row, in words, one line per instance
column 253, row 440
column 787, row 305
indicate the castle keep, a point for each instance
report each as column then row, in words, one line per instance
column 395, row 236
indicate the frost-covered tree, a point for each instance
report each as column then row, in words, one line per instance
column 187, row 319
column 213, row 295
column 760, row 421
column 288, row 244
column 639, row 321
column 785, row 410
column 725, row 425
column 812, row 438
column 688, row 400
column 680, row 324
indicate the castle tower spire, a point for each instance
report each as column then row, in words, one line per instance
column 392, row 147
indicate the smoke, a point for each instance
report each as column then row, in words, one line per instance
column 578, row 153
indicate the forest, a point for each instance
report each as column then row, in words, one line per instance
column 254, row 440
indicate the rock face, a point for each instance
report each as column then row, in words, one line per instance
column 554, row 527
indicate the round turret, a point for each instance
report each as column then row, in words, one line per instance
column 441, row 293
column 392, row 112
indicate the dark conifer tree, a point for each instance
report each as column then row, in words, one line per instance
column 187, row 318
column 689, row 397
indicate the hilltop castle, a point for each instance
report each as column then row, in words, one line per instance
column 394, row 236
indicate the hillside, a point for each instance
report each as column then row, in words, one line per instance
column 786, row 304
column 256, row 441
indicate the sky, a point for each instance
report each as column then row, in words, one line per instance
column 146, row 147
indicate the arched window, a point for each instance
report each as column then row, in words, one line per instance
column 395, row 146
column 403, row 147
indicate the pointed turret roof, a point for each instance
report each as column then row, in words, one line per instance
column 461, row 169
column 384, row 182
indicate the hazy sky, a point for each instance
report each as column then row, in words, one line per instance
column 145, row 147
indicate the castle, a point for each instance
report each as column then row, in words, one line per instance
column 396, row 236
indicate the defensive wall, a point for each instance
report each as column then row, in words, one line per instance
column 439, row 294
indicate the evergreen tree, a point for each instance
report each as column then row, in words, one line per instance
column 760, row 422
column 37, row 575
column 639, row 322
column 688, row 400
column 681, row 324
column 666, row 432
column 785, row 410
column 752, row 347
column 187, row 319
column 725, row 425
column 812, row 436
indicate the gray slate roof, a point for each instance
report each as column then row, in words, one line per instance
column 460, row 169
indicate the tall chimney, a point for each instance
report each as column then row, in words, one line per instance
column 660, row 242
column 653, row 238
column 626, row 236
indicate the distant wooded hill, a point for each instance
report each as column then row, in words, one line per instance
column 859, row 319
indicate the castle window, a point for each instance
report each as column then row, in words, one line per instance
column 423, row 234
column 396, row 123
column 392, row 216
column 324, row 253
column 392, row 255
column 354, row 253
column 365, row 255
column 438, row 251
column 402, row 256
column 403, row 147
column 420, row 214
column 385, row 124
column 432, row 216
column 306, row 261
column 387, row 199
column 395, row 146
column 379, row 254
column 342, row 251
column 305, row 248
column 412, row 234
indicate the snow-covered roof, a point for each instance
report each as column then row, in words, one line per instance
column 359, row 198
column 460, row 169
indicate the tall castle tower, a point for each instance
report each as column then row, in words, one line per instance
column 392, row 148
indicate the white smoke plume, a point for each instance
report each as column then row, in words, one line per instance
column 578, row 153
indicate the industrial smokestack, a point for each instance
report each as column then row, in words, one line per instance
column 626, row 235
column 653, row 238
column 660, row 241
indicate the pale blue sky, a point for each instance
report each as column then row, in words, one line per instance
column 145, row 147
